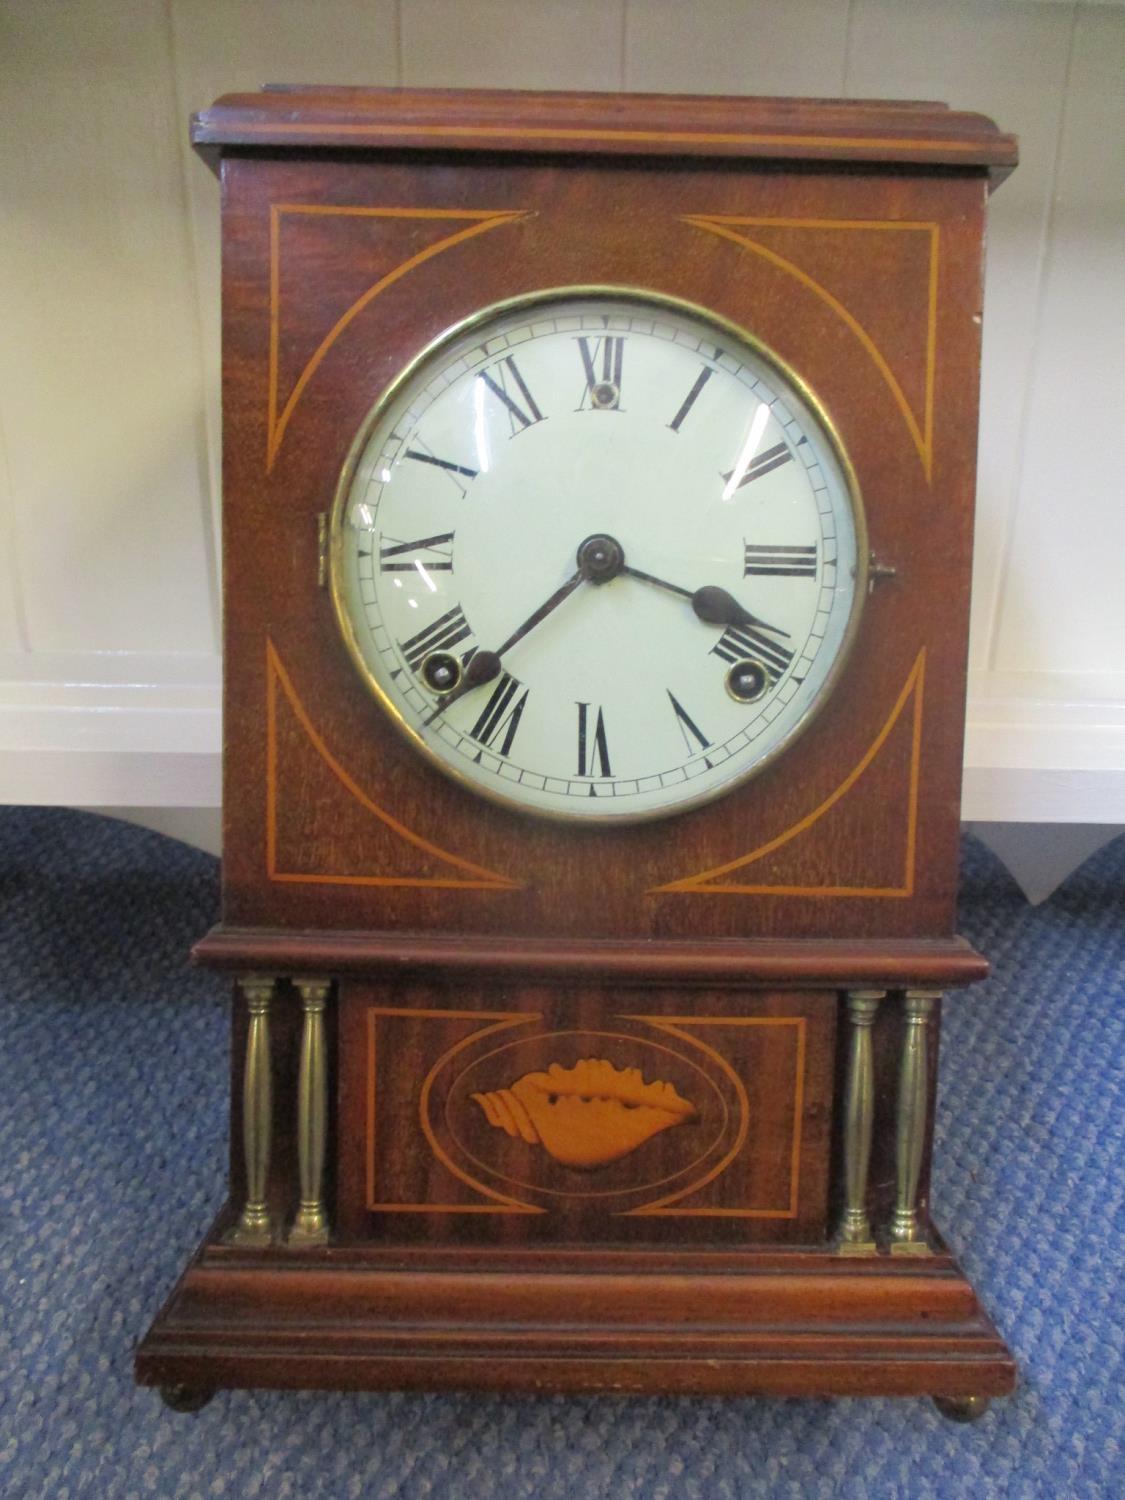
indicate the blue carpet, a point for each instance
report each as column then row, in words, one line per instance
column 112, row 1135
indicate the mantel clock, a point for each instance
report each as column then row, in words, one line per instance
column 598, row 486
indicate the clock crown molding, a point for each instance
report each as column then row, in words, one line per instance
column 912, row 132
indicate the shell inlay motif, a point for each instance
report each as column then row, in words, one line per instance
column 588, row 1115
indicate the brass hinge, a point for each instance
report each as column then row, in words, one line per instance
column 322, row 549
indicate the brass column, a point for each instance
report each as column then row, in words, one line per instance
column 310, row 1227
column 859, row 1112
column 253, row 1227
column 910, row 1132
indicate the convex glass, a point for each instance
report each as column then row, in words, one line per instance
column 598, row 554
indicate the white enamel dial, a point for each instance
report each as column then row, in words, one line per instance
column 679, row 649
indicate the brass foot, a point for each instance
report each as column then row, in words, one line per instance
column 304, row 1234
column 185, row 1398
column 253, row 1230
column 857, row 1247
column 963, row 1408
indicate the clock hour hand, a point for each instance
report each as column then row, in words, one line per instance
column 712, row 605
column 484, row 666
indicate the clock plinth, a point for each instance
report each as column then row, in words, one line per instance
column 591, row 807
column 757, row 1324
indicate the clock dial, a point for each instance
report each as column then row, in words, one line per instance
column 598, row 555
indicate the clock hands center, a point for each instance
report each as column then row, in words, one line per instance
column 485, row 666
column 599, row 559
column 712, row 604
column 602, row 558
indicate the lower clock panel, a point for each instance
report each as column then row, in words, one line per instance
column 577, row 1185
column 581, row 1116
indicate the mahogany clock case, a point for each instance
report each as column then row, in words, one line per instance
column 335, row 273
column 465, row 949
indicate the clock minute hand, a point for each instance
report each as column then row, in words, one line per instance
column 542, row 612
column 712, row 605
column 484, row 666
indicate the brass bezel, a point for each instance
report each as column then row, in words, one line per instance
column 594, row 293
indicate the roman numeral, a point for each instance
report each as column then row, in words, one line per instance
column 447, row 631
column 440, row 463
column 507, row 379
column 694, row 738
column 769, row 561
column 739, row 642
column 433, row 553
column 692, row 396
column 593, row 751
column 763, row 463
column 601, row 360
column 422, row 453
column 501, row 715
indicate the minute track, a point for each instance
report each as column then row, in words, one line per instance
column 709, row 756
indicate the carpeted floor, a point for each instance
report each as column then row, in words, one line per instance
column 112, row 1135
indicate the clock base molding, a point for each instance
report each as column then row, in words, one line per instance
column 770, row 1323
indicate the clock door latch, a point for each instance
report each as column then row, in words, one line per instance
column 878, row 572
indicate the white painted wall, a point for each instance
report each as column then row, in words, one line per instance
column 109, row 418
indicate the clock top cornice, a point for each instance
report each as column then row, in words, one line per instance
column 902, row 132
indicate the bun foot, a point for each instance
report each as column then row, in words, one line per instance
column 963, row 1408
column 185, row 1398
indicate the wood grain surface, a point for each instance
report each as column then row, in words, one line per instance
column 917, row 132
column 421, row 1160
column 344, row 1322
column 777, row 962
